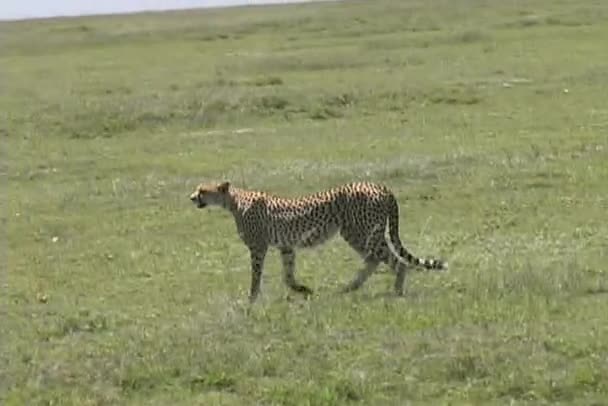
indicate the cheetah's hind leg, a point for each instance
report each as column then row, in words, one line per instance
column 370, row 267
column 366, row 247
column 401, row 272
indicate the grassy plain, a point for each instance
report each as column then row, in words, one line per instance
column 487, row 118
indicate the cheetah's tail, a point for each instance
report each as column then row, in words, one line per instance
column 396, row 247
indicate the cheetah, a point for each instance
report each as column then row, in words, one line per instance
column 359, row 212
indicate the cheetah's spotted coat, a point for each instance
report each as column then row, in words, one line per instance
column 359, row 212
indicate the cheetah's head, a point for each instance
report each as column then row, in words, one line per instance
column 214, row 194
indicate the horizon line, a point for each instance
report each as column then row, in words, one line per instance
column 243, row 4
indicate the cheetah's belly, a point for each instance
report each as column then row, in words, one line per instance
column 300, row 232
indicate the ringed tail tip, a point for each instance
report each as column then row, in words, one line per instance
column 436, row 264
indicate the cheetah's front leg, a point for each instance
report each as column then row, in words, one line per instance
column 288, row 257
column 257, row 266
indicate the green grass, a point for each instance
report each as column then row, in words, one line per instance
column 488, row 119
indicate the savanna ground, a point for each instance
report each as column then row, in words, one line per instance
column 487, row 118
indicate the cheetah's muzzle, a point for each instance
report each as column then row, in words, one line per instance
column 199, row 203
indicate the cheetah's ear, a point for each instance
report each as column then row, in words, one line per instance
column 223, row 187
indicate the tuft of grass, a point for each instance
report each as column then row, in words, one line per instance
column 470, row 36
column 267, row 81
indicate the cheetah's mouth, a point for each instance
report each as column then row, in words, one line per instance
column 199, row 202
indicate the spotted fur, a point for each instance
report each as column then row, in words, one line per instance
column 359, row 212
